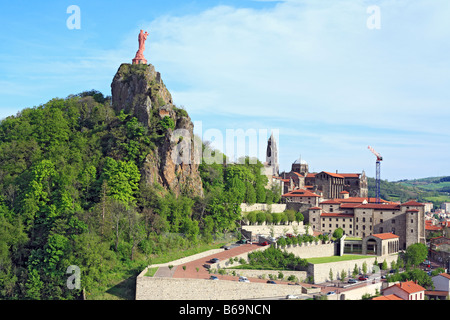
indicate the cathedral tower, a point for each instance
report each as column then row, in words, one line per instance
column 272, row 155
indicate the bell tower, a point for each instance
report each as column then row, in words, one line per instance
column 272, row 155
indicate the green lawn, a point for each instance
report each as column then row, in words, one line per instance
column 345, row 257
column 151, row 272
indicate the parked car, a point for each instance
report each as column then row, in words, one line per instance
column 265, row 243
column 352, row 281
column 363, row 278
column 330, row 293
column 291, row 296
column 207, row 266
column 213, row 278
column 271, row 282
column 242, row 241
column 214, row 260
column 243, row 279
column 226, row 247
column 289, row 235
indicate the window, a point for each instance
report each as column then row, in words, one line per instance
column 364, row 219
column 412, row 221
column 330, row 225
column 314, row 219
column 393, row 220
column 323, row 225
column 412, row 231
column 381, row 220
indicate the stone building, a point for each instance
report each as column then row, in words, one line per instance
column 363, row 218
column 302, row 196
column 329, row 185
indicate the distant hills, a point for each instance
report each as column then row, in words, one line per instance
column 432, row 189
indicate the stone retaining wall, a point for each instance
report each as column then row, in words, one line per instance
column 321, row 271
column 311, row 250
column 264, row 274
column 276, row 207
column 148, row 288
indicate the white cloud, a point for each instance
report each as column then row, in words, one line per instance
column 307, row 59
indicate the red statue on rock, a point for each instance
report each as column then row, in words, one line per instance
column 139, row 58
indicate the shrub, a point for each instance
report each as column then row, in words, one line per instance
column 167, row 122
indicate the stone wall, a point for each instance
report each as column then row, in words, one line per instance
column 264, row 274
column 357, row 293
column 149, row 288
column 276, row 207
column 278, row 230
column 312, row 250
column 321, row 271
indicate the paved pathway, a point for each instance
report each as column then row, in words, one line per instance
column 165, row 272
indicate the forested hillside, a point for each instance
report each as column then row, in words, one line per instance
column 435, row 190
column 72, row 193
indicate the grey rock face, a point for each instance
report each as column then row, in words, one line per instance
column 139, row 90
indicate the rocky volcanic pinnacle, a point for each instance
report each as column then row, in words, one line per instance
column 139, row 90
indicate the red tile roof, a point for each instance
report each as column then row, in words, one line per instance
column 388, row 297
column 330, row 202
column 409, row 287
column 445, row 275
column 300, row 193
column 413, row 203
column 337, row 215
column 350, row 175
column 432, row 228
column 384, row 236
column 436, row 293
column 333, row 174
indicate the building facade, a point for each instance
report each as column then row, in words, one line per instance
column 362, row 218
column 327, row 184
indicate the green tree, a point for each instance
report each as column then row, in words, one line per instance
column 416, row 254
column 299, row 217
column 123, row 180
column 260, row 217
column 338, row 233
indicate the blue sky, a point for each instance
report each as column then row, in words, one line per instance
column 310, row 69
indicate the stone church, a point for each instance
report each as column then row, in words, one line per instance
column 328, row 185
